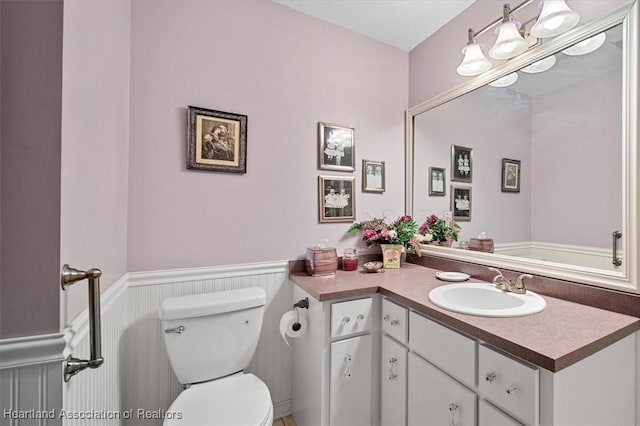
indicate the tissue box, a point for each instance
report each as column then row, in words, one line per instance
column 321, row 261
column 481, row 244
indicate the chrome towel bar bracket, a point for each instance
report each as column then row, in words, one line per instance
column 69, row 276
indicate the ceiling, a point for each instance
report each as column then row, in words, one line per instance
column 400, row 23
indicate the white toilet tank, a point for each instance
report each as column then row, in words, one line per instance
column 212, row 335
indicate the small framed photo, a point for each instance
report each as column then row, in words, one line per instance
column 337, row 147
column 510, row 175
column 461, row 164
column 372, row 176
column 217, row 141
column 336, row 199
column 437, row 181
column 461, row 203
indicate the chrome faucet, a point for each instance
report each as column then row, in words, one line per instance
column 503, row 283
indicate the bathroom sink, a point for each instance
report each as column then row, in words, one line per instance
column 486, row 300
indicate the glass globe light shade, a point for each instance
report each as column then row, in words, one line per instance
column 474, row 61
column 555, row 18
column 509, row 43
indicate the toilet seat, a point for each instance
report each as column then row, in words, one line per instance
column 238, row 400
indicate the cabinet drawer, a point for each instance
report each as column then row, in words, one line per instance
column 488, row 415
column 445, row 348
column 437, row 399
column 394, row 320
column 510, row 384
column 350, row 317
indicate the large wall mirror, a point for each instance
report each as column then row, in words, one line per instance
column 553, row 158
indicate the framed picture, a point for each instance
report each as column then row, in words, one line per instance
column 437, row 181
column 336, row 200
column 461, row 164
column 217, row 141
column 461, row 203
column 372, row 176
column 337, row 147
column 510, row 175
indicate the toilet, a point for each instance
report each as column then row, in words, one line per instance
column 210, row 339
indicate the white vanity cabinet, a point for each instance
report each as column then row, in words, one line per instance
column 335, row 363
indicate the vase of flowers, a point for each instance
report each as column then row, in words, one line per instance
column 439, row 231
column 394, row 238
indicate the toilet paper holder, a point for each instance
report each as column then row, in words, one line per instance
column 300, row 304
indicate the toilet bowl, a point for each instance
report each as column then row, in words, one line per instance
column 210, row 340
column 237, row 400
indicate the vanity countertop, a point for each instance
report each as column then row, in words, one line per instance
column 561, row 335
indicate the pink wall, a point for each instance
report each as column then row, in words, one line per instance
column 31, row 87
column 287, row 72
column 95, row 144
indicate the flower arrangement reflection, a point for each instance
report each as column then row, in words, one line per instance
column 438, row 230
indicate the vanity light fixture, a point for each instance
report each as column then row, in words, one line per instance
column 586, row 46
column 509, row 43
column 505, row 81
column 555, row 18
column 540, row 66
column 474, row 61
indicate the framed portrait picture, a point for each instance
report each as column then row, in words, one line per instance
column 217, row 141
column 337, row 147
column 336, row 199
column 461, row 203
column 510, row 175
column 437, row 181
column 461, row 164
column 372, row 176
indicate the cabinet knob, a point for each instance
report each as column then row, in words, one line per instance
column 490, row 377
column 394, row 322
column 360, row 317
column 386, row 317
column 345, row 320
column 453, row 408
column 511, row 390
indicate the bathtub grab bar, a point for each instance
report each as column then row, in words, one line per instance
column 73, row 366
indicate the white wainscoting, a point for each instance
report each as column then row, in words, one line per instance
column 590, row 257
column 30, row 377
column 94, row 397
column 148, row 381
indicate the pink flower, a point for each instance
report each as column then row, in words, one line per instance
column 369, row 233
column 384, row 233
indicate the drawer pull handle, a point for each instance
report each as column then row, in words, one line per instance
column 452, row 414
column 490, row 377
column 347, row 369
column 394, row 322
column 386, row 317
column 511, row 390
column 360, row 317
column 393, row 365
column 345, row 321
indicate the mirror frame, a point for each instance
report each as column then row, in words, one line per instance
column 625, row 279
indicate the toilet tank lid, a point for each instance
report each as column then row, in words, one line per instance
column 218, row 302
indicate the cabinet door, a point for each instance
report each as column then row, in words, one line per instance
column 393, row 408
column 435, row 398
column 350, row 388
column 488, row 415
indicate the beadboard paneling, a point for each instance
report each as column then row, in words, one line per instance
column 97, row 392
column 148, row 380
